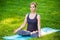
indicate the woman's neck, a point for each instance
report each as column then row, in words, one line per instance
column 33, row 12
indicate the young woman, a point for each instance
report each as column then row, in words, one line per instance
column 33, row 21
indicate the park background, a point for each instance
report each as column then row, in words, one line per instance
column 12, row 13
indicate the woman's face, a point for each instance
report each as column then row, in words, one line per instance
column 32, row 8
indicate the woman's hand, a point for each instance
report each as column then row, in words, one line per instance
column 15, row 31
column 39, row 34
column 33, row 32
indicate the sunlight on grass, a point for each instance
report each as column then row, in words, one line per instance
column 6, row 21
column 9, row 20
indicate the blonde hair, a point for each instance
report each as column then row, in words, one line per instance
column 33, row 3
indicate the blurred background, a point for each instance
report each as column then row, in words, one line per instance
column 12, row 13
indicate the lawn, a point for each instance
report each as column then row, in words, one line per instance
column 12, row 13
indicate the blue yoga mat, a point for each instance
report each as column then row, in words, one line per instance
column 44, row 31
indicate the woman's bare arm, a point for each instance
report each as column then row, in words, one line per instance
column 39, row 28
column 25, row 21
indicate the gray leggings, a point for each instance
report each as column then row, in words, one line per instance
column 26, row 33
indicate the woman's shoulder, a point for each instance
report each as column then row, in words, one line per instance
column 27, row 14
column 38, row 15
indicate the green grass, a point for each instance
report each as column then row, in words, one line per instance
column 12, row 13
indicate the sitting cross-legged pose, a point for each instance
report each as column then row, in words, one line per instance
column 33, row 21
